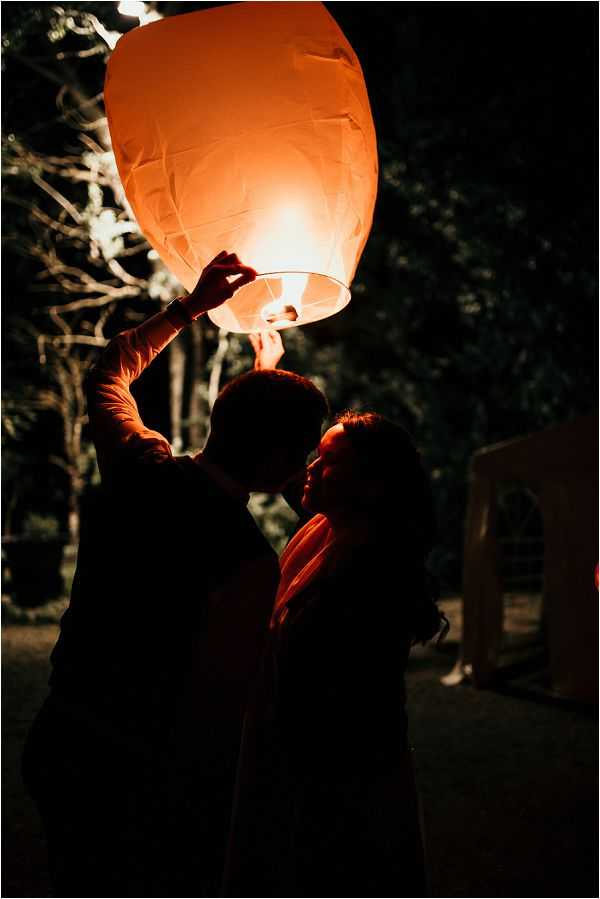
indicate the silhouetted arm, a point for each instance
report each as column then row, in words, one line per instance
column 117, row 428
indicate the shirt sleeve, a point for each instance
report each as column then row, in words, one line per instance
column 118, row 431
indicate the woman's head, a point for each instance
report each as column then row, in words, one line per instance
column 369, row 470
column 369, row 473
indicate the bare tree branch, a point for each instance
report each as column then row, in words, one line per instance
column 41, row 70
column 62, row 200
column 125, row 277
column 82, row 54
column 79, row 339
column 102, row 319
column 48, row 221
column 89, row 142
column 59, row 322
column 117, row 294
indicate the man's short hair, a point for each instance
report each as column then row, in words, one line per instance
column 266, row 409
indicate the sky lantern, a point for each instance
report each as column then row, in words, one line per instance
column 247, row 127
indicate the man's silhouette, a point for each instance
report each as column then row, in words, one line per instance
column 131, row 760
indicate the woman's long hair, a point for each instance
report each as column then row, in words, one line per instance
column 403, row 518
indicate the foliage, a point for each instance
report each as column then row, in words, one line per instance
column 274, row 517
column 49, row 613
column 41, row 527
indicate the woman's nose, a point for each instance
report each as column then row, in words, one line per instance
column 313, row 465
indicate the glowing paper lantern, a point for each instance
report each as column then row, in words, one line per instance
column 248, row 128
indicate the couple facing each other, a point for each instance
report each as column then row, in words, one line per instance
column 217, row 725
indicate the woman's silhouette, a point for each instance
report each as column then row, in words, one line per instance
column 326, row 803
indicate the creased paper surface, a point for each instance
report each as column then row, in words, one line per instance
column 246, row 128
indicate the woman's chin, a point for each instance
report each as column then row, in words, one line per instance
column 308, row 503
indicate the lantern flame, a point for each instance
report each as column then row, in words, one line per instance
column 289, row 238
column 288, row 307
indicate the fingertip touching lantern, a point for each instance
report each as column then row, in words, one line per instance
column 247, row 127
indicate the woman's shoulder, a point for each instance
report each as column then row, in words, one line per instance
column 311, row 532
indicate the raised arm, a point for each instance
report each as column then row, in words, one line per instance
column 117, row 428
column 268, row 349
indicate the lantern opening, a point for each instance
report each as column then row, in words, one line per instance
column 288, row 306
column 276, row 300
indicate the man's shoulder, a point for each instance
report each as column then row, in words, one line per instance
column 230, row 519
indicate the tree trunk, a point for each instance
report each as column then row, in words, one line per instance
column 73, row 517
column 197, row 412
column 176, row 384
column 217, row 367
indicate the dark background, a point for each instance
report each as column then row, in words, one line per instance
column 474, row 317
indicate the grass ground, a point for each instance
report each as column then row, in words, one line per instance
column 25, row 651
column 509, row 782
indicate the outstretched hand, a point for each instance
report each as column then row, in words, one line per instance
column 268, row 348
column 213, row 288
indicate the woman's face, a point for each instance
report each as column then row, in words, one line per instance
column 334, row 481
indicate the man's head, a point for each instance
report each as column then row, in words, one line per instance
column 263, row 425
